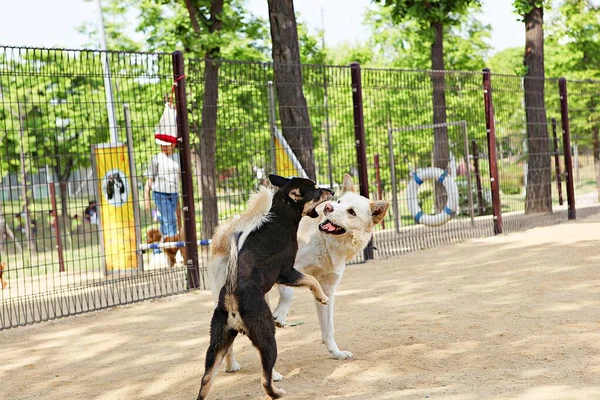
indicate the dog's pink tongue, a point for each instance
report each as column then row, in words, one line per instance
column 329, row 227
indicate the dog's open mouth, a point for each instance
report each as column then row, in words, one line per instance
column 329, row 227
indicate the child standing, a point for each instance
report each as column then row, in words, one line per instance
column 163, row 175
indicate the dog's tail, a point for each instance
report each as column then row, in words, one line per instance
column 232, row 263
column 250, row 220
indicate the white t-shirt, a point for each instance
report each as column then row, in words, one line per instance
column 165, row 173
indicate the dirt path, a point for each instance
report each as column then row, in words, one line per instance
column 511, row 317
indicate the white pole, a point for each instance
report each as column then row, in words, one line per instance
column 397, row 219
column 110, row 106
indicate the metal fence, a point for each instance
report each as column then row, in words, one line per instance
column 64, row 113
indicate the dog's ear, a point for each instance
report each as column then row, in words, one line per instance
column 277, row 180
column 295, row 194
column 378, row 210
column 347, row 184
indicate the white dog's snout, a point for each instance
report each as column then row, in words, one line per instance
column 328, row 208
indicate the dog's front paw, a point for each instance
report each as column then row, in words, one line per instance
column 278, row 393
column 342, row 355
column 276, row 376
column 280, row 318
column 323, row 300
column 233, row 367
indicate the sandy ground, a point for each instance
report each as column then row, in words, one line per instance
column 510, row 317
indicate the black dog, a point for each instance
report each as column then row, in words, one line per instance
column 115, row 186
column 266, row 256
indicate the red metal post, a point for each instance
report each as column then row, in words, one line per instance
column 492, row 153
column 478, row 177
column 557, row 163
column 564, row 115
column 360, row 141
column 183, row 133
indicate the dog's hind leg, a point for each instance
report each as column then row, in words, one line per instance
column 267, row 347
column 329, row 285
column 261, row 332
column 221, row 339
column 277, row 377
column 293, row 277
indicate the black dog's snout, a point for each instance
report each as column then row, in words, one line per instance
column 328, row 191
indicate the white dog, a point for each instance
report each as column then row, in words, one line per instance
column 325, row 245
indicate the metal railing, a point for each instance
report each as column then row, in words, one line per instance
column 384, row 127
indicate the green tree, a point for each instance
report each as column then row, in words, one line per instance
column 507, row 62
column 434, row 18
column 408, row 45
column 207, row 30
column 538, row 192
column 574, row 35
column 208, row 126
column 42, row 93
column 293, row 110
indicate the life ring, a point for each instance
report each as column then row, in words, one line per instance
column 440, row 175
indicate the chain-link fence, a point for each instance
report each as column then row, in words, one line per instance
column 76, row 143
column 83, row 229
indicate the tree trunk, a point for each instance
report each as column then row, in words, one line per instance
column 3, row 231
column 539, row 178
column 63, row 173
column 596, row 143
column 196, row 167
column 441, row 154
column 31, row 239
column 7, row 233
column 64, row 199
column 293, row 110
column 207, row 150
column 208, row 127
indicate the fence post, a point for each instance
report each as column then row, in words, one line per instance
column 564, row 116
column 183, row 133
column 360, row 142
column 477, row 177
column 557, row 163
column 492, row 155
column 378, row 182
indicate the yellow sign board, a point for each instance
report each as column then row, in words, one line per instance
column 286, row 163
column 117, row 226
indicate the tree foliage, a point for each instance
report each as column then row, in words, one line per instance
column 43, row 90
column 406, row 44
column 62, row 93
column 446, row 12
column 434, row 18
column 524, row 7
